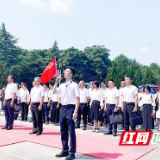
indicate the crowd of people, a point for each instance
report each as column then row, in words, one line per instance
column 94, row 105
column 94, row 101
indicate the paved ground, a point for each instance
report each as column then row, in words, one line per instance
column 32, row 151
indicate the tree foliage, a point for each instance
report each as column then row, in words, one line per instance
column 92, row 63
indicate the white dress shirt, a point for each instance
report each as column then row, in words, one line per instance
column 68, row 92
column 98, row 96
column 24, row 95
column 148, row 99
column 129, row 94
column 140, row 99
column 120, row 97
column 46, row 95
column 104, row 92
column 111, row 95
column 54, row 97
column 90, row 91
column 84, row 94
column 10, row 90
column 37, row 93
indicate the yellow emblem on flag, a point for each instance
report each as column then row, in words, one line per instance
column 51, row 64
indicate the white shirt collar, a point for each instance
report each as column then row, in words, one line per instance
column 37, row 86
column 68, row 82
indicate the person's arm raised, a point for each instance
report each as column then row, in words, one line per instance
column 56, row 83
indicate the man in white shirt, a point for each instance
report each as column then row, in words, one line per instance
column 83, row 109
column 129, row 102
column 37, row 99
column 111, row 104
column 120, row 101
column 1, row 98
column 10, row 95
column 90, row 91
column 24, row 99
column 33, row 85
column 104, row 89
column 69, row 93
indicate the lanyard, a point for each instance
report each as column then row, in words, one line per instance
column 69, row 84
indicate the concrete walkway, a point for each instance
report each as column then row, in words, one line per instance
column 32, row 151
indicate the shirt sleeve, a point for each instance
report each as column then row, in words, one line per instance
column 59, row 89
column 49, row 94
column 136, row 90
column 42, row 92
column 101, row 99
column 153, row 100
column 106, row 94
column 15, row 88
column 87, row 93
column 28, row 96
column 117, row 93
column 76, row 90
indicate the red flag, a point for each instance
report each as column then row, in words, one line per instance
column 56, row 74
column 49, row 72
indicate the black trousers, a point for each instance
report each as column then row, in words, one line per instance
column 45, row 112
column 128, row 112
column 24, row 111
column 37, row 118
column 110, row 111
column 67, row 124
column 9, row 114
column 83, row 110
column 120, row 108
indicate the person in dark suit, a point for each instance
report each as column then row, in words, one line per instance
column 10, row 95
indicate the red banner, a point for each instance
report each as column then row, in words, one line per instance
column 49, row 72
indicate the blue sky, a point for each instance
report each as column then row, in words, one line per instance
column 131, row 27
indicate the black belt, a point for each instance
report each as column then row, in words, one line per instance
column 8, row 99
column 96, row 101
column 69, row 105
column 83, row 103
column 45, row 103
column 111, row 104
column 34, row 103
column 129, row 103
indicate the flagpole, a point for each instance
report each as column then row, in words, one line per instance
column 60, row 70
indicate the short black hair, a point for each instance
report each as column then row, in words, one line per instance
column 128, row 77
column 122, row 79
column 147, row 87
column 73, row 71
column 13, row 77
column 51, row 83
column 103, row 82
column 112, row 80
column 46, row 84
column 96, row 83
column 25, row 84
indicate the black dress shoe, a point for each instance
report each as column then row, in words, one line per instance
column 114, row 134
column 70, row 157
column 108, row 133
column 9, row 128
column 39, row 133
column 33, row 132
column 77, row 127
column 84, row 127
column 62, row 154
column 4, row 127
